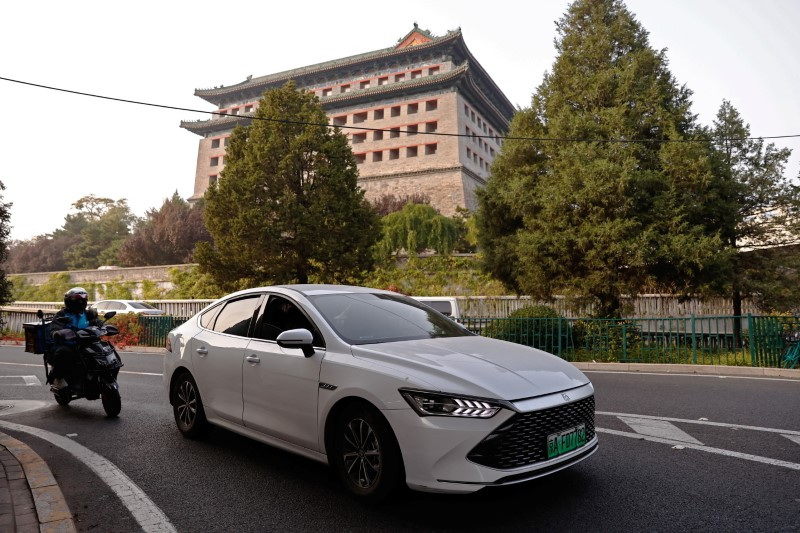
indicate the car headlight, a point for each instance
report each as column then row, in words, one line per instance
column 437, row 404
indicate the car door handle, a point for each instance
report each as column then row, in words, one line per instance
column 202, row 351
column 252, row 359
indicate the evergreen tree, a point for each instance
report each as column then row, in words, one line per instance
column 5, row 230
column 758, row 213
column 620, row 211
column 287, row 207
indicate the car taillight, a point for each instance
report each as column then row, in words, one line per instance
column 169, row 344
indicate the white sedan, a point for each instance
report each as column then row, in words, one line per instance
column 126, row 306
column 381, row 387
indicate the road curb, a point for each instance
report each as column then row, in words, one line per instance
column 51, row 509
column 710, row 370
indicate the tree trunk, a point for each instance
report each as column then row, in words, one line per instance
column 737, row 314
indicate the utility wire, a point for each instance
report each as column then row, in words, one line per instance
column 440, row 134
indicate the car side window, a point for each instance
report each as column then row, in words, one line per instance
column 235, row 317
column 281, row 314
column 116, row 306
column 207, row 318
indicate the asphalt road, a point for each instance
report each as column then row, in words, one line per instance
column 673, row 471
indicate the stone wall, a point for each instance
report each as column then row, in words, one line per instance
column 156, row 274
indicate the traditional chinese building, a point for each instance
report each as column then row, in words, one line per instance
column 423, row 85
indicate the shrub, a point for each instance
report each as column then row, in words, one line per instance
column 535, row 325
column 129, row 329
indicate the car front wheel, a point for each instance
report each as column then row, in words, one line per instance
column 366, row 456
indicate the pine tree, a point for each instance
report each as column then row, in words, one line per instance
column 287, row 207
column 5, row 230
column 620, row 211
column 758, row 215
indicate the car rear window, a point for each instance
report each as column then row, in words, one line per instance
column 370, row 318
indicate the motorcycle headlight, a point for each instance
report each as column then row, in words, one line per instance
column 437, row 404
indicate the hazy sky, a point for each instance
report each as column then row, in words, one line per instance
column 57, row 147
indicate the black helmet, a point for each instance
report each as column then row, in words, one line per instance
column 75, row 300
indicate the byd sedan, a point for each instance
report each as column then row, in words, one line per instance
column 381, row 387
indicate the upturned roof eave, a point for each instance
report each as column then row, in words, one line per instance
column 217, row 96
column 460, row 76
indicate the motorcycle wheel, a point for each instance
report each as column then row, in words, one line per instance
column 112, row 402
column 62, row 398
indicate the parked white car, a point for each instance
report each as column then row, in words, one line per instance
column 126, row 306
column 447, row 305
column 380, row 387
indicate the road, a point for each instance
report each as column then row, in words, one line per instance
column 677, row 453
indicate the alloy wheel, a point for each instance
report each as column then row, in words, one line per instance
column 187, row 403
column 361, row 453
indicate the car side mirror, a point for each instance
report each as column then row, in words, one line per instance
column 297, row 338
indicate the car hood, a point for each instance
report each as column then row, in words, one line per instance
column 475, row 366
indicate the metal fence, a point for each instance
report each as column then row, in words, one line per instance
column 644, row 305
column 760, row 341
column 154, row 329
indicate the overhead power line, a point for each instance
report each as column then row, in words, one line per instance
column 440, row 134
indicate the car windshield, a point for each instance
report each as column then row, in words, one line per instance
column 141, row 305
column 370, row 318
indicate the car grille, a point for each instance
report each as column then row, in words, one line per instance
column 522, row 439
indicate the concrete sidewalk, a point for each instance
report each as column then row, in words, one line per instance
column 30, row 498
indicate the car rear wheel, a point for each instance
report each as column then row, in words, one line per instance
column 188, row 407
column 366, row 456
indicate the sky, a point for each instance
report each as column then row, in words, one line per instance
column 56, row 148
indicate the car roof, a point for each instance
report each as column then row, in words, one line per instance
column 312, row 289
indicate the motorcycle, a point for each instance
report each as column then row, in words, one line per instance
column 92, row 371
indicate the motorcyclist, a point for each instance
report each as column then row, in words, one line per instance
column 73, row 316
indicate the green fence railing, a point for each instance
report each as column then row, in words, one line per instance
column 711, row 340
column 757, row 341
column 155, row 329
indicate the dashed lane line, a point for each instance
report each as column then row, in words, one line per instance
column 701, row 422
column 121, row 371
column 703, row 448
column 793, row 438
column 658, row 428
column 149, row 517
column 27, row 381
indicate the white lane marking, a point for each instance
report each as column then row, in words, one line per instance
column 27, row 380
column 121, row 371
column 681, row 374
column 659, row 428
column 793, row 438
column 703, row 423
column 146, row 513
column 702, row 448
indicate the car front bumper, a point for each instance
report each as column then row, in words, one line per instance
column 435, row 448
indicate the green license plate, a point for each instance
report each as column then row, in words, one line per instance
column 565, row 441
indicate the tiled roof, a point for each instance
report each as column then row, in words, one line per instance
column 214, row 95
column 460, row 75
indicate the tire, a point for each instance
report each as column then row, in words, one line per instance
column 187, row 407
column 112, row 402
column 63, row 397
column 366, row 456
